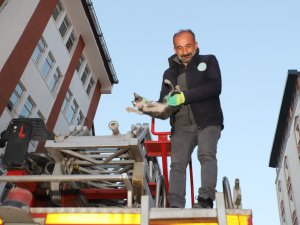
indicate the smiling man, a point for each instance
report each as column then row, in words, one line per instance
column 198, row 122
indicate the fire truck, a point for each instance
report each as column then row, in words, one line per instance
column 109, row 179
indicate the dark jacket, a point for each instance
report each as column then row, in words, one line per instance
column 204, row 88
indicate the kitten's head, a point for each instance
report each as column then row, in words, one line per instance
column 137, row 100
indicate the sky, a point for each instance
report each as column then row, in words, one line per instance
column 256, row 43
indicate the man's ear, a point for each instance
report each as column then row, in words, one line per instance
column 196, row 45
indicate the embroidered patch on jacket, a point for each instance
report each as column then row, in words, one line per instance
column 202, row 66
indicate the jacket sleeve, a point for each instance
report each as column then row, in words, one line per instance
column 164, row 88
column 211, row 88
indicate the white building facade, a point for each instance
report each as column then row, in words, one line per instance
column 285, row 155
column 54, row 63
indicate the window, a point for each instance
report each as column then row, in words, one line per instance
column 39, row 50
column 85, row 74
column 279, row 186
column 297, row 133
column 294, row 218
column 70, row 42
column 70, row 114
column 55, row 80
column 27, row 109
column 289, row 188
column 288, row 179
column 64, row 26
column 57, row 10
column 282, row 211
column 80, row 62
column 286, row 165
column 48, row 64
column 40, row 115
column 90, row 86
column 15, row 97
column 67, row 100
column 79, row 119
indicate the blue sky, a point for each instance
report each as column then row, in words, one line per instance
column 256, row 43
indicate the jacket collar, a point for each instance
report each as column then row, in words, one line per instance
column 174, row 60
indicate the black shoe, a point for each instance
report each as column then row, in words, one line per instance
column 174, row 206
column 204, row 203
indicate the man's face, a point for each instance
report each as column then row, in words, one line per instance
column 185, row 47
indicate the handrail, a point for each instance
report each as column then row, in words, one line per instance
column 160, row 185
column 227, row 194
column 157, row 132
column 57, row 178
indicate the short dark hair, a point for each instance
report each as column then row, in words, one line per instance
column 184, row 31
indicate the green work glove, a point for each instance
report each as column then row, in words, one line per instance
column 176, row 99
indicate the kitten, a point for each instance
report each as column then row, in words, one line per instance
column 160, row 110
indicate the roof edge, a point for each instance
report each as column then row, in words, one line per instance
column 287, row 99
column 91, row 15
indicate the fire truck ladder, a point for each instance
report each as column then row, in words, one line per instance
column 110, row 179
column 80, row 170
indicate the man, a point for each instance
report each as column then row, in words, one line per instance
column 199, row 120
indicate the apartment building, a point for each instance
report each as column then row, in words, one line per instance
column 285, row 154
column 54, row 63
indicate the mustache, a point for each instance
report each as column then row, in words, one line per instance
column 186, row 55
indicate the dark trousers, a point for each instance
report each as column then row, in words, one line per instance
column 183, row 142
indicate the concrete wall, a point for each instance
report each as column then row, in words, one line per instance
column 13, row 19
column 293, row 157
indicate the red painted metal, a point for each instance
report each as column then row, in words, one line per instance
column 20, row 195
column 161, row 147
column 250, row 220
column 154, row 147
column 104, row 193
column 152, row 187
column 160, row 133
column 31, row 186
column 70, row 198
column 16, row 173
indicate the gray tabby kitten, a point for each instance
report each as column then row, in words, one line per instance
column 160, row 110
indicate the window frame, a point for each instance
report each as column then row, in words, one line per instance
column 66, row 101
column 59, row 9
column 12, row 107
column 67, row 24
column 40, row 115
column 55, row 80
column 50, row 67
column 42, row 50
column 90, row 86
column 25, row 107
column 71, row 41
column 282, row 211
column 294, row 218
column 85, row 74
column 80, row 63
column 72, row 111
column 79, row 118
column 297, row 133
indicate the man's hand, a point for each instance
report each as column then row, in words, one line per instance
column 176, row 99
